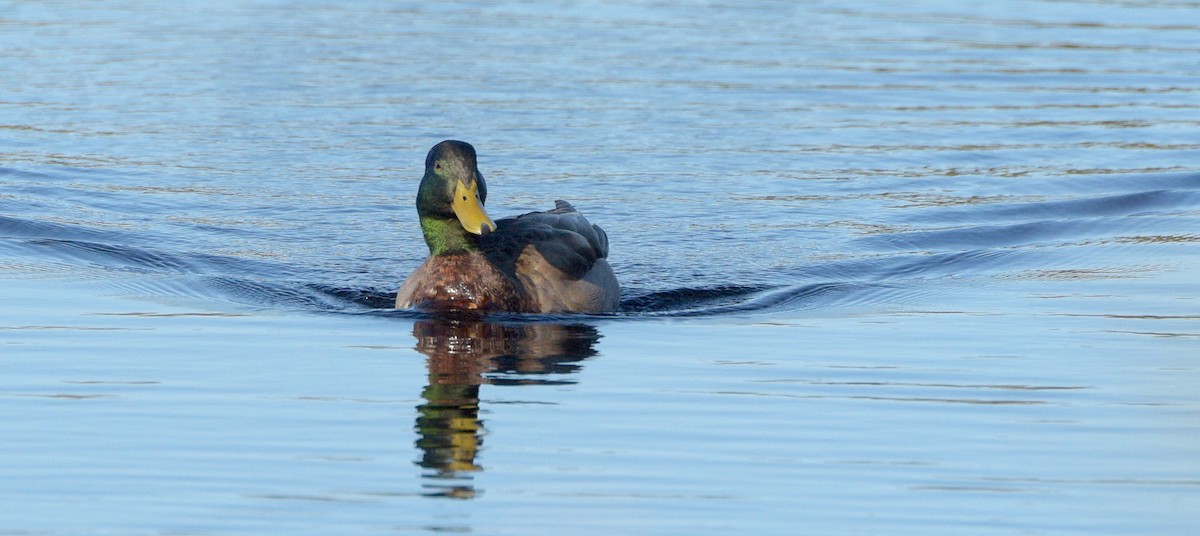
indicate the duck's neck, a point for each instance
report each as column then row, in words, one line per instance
column 447, row 236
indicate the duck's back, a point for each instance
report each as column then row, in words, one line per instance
column 558, row 257
column 541, row 262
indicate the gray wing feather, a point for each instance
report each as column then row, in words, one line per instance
column 563, row 237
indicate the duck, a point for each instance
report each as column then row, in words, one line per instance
column 541, row 262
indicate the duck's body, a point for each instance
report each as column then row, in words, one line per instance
column 541, row 262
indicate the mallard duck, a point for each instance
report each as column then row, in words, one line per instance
column 541, row 262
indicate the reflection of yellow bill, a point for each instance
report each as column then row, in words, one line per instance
column 470, row 211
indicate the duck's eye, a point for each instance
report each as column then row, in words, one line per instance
column 437, row 166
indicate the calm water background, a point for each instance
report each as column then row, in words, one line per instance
column 906, row 267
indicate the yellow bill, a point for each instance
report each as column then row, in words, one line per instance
column 470, row 211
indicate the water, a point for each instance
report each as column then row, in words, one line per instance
column 920, row 267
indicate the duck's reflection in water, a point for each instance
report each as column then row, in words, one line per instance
column 465, row 354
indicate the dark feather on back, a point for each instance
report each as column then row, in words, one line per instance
column 562, row 236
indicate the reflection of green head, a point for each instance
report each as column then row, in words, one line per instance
column 449, row 427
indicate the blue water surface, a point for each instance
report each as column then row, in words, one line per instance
column 887, row 267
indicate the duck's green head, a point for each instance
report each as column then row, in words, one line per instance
column 451, row 198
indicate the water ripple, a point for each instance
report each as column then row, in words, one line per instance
column 925, row 246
